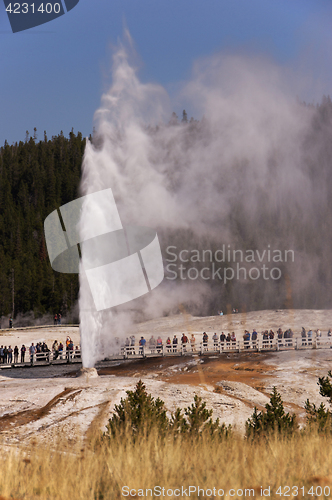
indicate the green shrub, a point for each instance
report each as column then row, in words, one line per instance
column 326, row 387
column 197, row 420
column 274, row 419
column 139, row 412
column 318, row 417
column 321, row 417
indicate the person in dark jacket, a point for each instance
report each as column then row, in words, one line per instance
column 205, row 340
column 23, row 351
column 175, row 343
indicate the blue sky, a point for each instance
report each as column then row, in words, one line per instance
column 52, row 76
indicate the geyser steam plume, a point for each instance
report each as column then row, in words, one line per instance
column 243, row 175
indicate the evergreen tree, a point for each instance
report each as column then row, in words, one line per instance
column 273, row 419
column 174, row 119
column 321, row 416
column 138, row 412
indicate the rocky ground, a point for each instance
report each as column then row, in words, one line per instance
column 51, row 400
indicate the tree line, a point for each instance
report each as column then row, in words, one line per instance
column 36, row 177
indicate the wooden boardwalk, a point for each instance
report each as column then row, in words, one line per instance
column 222, row 348
column 201, row 349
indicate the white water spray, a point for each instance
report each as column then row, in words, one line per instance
column 189, row 177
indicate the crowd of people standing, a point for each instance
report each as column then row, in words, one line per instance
column 12, row 356
column 223, row 340
column 9, row 355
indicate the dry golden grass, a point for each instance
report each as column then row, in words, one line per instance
column 75, row 471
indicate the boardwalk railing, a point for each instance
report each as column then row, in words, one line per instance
column 44, row 358
column 197, row 348
column 211, row 347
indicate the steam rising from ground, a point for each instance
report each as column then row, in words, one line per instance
column 240, row 175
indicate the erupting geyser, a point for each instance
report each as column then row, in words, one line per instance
column 233, row 177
